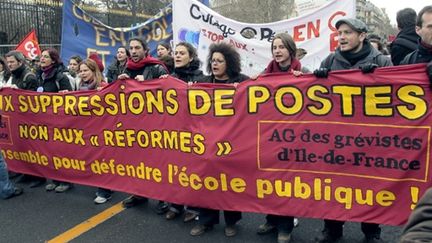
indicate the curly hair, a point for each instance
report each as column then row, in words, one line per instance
column 232, row 58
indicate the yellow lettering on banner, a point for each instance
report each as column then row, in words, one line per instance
column 140, row 171
column 23, row 106
column 28, row 156
column 136, row 103
column 223, row 97
column 185, row 142
column 385, row 198
column 83, row 106
column 343, row 195
column 347, row 93
column 297, row 102
column 257, row 95
column 204, row 97
column 415, row 107
column 155, row 102
column 171, row 97
column 57, row 102
column 376, row 97
column 68, row 163
column 211, row 183
column 100, row 32
column 34, row 132
column 120, row 38
column 325, row 104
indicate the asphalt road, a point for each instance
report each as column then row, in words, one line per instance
column 40, row 216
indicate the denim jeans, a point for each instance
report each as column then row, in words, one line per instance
column 6, row 186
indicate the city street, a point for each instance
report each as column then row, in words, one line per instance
column 40, row 216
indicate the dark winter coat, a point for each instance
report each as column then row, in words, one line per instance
column 405, row 43
column 24, row 78
column 335, row 61
column 421, row 55
column 55, row 81
column 114, row 70
column 151, row 71
column 190, row 73
column 419, row 225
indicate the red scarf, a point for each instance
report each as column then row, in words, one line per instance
column 273, row 66
column 148, row 60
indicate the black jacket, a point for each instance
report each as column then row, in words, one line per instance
column 190, row 73
column 55, row 81
column 24, row 78
column 114, row 70
column 405, row 43
column 151, row 71
column 335, row 61
column 421, row 55
column 237, row 79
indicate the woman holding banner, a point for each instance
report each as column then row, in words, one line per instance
column 224, row 65
column 284, row 51
column 52, row 79
column 187, row 66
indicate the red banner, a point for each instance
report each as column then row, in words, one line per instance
column 351, row 147
column 29, row 46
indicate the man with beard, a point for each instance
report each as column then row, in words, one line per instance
column 141, row 66
column 354, row 52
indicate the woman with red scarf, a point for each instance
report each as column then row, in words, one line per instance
column 284, row 51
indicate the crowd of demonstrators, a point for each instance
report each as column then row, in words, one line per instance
column 118, row 66
column 223, row 64
column 354, row 52
column 406, row 40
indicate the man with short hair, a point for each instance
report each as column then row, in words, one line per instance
column 22, row 76
column 423, row 54
column 354, row 51
column 142, row 66
column 406, row 40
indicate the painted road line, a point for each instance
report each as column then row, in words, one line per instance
column 88, row 224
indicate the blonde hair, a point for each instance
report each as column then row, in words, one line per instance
column 92, row 65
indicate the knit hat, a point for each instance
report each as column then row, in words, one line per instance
column 94, row 56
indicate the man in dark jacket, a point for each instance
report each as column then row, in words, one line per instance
column 141, row 66
column 354, row 52
column 406, row 40
column 423, row 53
column 22, row 76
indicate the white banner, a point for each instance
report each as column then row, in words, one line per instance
column 315, row 32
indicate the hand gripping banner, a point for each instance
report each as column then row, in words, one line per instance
column 351, row 147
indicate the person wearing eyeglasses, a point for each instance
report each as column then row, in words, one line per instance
column 223, row 64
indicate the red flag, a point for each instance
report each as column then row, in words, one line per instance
column 29, row 46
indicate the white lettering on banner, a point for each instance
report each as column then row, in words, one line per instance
column 31, row 49
column 197, row 24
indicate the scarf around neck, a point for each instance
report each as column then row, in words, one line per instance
column 148, row 60
column 274, row 67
